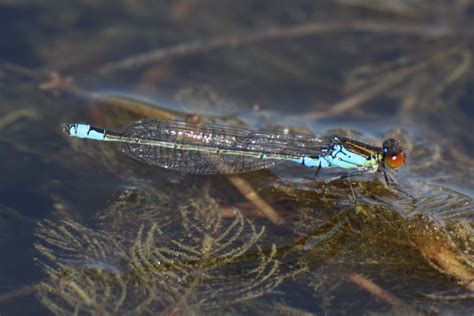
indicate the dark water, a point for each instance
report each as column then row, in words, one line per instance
column 84, row 228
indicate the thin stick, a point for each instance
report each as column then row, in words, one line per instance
column 450, row 298
column 201, row 46
column 371, row 92
column 352, row 190
column 375, row 290
column 249, row 193
column 362, row 96
column 16, row 294
column 12, row 117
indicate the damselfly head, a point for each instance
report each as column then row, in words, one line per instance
column 393, row 155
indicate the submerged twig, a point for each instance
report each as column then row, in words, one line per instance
column 201, row 46
column 441, row 297
column 358, row 98
column 391, row 80
column 16, row 294
column 252, row 196
column 375, row 290
column 12, row 117
column 285, row 310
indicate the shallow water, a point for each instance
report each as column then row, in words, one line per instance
column 85, row 228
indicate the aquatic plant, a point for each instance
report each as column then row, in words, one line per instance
column 381, row 244
column 198, row 261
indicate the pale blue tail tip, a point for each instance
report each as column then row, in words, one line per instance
column 83, row 131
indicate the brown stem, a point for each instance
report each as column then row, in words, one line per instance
column 232, row 41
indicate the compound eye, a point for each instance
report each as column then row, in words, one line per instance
column 395, row 160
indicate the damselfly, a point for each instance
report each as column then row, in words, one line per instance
column 210, row 149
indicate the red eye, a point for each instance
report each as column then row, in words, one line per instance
column 395, row 160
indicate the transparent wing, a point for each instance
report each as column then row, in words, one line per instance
column 215, row 139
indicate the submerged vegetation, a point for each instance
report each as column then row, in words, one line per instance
column 275, row 241
column 195, row 261
column 150, row 252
